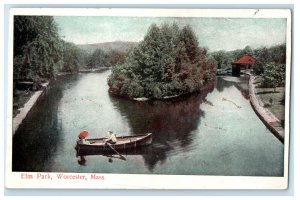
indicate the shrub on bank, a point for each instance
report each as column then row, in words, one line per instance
column 274, row 75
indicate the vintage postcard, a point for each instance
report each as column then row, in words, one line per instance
column 148, row 98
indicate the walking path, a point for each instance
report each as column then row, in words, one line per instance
column 17, row 120
column 268, row 118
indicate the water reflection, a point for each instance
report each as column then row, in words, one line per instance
column 81, row 160
column 185, row 130
column 82, row 154
column 240, row 83
column 171, row 122
column 39, row 136
column 221, row 84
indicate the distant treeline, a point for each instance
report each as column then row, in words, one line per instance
column 40, row 53
column 102, row 58
column 167, row 62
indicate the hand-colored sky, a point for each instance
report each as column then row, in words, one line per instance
column 213, row 33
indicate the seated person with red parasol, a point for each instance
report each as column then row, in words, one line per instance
column 82, row 137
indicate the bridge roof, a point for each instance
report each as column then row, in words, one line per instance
column 245, row 60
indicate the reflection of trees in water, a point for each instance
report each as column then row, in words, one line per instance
column 242, row 86
column 244, row 89
column 38, row 136
column 221, row 84
column 171, row 122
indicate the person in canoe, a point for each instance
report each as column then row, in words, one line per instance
column 112, row 138
column 82, row 137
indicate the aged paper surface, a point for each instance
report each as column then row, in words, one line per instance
column 186, row 160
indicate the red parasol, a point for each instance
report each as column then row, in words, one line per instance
column 83, row 134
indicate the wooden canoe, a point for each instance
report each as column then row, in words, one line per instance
column 123, row 143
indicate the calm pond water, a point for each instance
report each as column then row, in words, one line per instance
column 215, row 132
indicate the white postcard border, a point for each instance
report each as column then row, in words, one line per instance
column 149, row 181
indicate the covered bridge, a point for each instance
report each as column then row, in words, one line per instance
column 244, row 63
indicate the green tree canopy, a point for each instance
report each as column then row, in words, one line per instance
column 167, row 62
column 100, row 58
column 263, row 56
column 37, row 47
column 274, row 75
column 73, row 57
column 39, row 52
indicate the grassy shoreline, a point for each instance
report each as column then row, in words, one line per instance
column 272, row 99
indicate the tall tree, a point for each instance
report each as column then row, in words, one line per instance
column 73, row 58
column 278, row 53
column 262, row 58
column 37, row 47
column 221, row 58
column 248, row 50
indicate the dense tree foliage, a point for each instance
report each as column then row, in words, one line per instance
column 224, row 59
column 276, row 54
column 73, row 58
column 37, row 47
column 262, row 58
column 116, row 57
column 100, row 58
column 39, row 52
column 167, row 62
column 274, row 75
column 270, row 63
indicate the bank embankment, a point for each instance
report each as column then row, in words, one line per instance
column 96, row 70
column 267, row 117
column 18, row 119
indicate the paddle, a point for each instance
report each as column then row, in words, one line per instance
column 115, row 151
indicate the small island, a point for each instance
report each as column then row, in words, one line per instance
column 168, row 62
